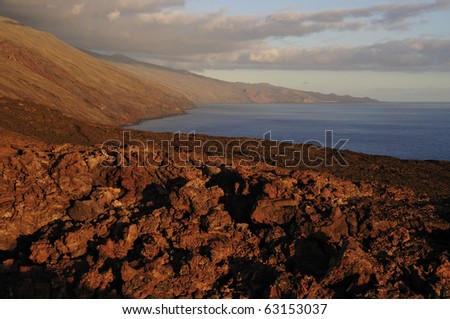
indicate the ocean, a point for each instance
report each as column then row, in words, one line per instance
column 419, row 131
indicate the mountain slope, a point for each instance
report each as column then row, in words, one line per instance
column 40, row 68
column 204, row 90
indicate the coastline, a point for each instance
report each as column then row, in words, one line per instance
column 310, row 122
column 249, row 103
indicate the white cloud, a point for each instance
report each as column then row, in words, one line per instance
column 76, row 8
column 113, row 15
column 270, row 55
column 160, row 29
column 167, row 18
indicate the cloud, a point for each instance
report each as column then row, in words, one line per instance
column 113, row 15
column 385, row 14
column 164, row 31
column 394, row 13
column 263, row 56
column 166, row 18
column 400, row 55
column 76, row 8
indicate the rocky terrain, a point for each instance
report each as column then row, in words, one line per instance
column 73, row 224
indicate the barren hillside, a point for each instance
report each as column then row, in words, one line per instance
column 37, row 66
column 204, row 90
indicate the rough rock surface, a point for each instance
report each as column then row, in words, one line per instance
column 72, row 228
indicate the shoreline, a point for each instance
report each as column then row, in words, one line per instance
column 358, row 147
column 212, row 104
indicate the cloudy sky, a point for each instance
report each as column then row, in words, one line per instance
column 390, row 50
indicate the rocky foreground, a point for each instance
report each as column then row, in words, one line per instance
column 71, row 227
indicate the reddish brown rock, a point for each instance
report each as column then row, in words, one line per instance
column 276, row 212
column 337, row 227
column 84, row 210
column 73, row 228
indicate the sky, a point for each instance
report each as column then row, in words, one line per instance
column 389, row 50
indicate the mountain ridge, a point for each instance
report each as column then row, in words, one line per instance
column 204, row 90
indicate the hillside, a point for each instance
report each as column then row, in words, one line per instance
column 115, row 90
column 204, row 90
column 40, row 68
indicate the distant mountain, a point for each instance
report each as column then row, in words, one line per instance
column 38, row 67
column 204, row 90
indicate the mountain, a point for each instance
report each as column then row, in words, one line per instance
column 40, row 68
column 56, row 93
column 115, row 90
column 204, row 90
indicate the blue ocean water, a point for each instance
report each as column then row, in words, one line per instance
column 403, row 130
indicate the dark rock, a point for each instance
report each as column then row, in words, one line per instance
column 84, row 210
column 276, row 212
